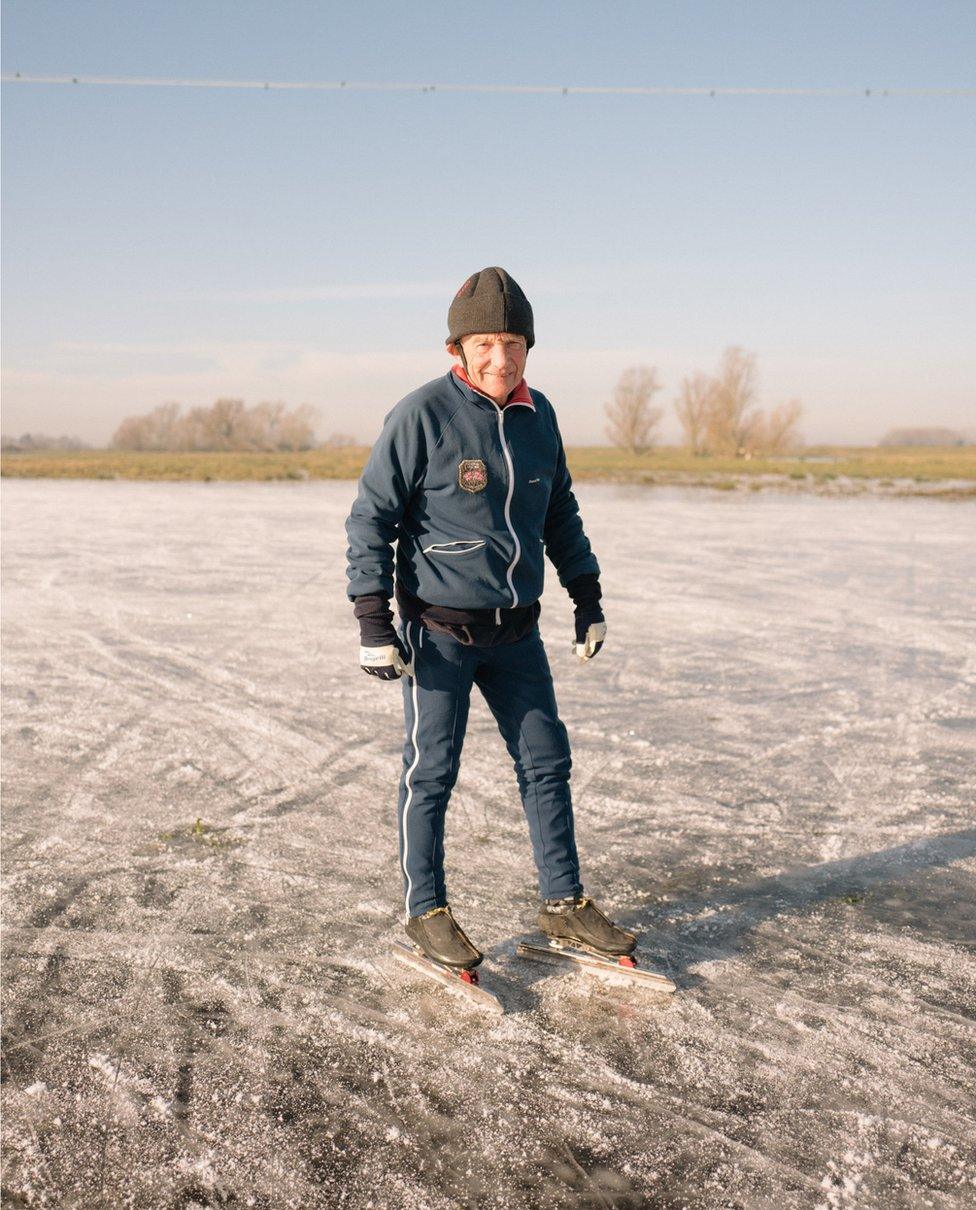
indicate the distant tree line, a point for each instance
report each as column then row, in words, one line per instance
column 717, row 412
column 39, row 441
column 929, row 436
column 226, row 425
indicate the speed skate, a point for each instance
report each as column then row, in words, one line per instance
column 466, row 982
column 622, row 970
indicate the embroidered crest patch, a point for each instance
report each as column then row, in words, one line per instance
column 473, row 475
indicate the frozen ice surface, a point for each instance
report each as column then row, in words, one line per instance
column 774, row 782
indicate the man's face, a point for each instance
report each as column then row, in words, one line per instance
column 496, row 362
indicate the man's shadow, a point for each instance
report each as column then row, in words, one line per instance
column 882, row 883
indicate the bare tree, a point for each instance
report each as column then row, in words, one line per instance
column 157, row 430
column 132, row 434
column 630, row 418
column 219, row 427
column 717, row 415
column 295, row 430
column 732, row 422
column 192, row 431
column 693, row 406
column 165, row 426
column 265, row 421
column 778, row 431
column 226, row 425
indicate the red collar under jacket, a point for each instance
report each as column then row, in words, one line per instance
column 519, row 395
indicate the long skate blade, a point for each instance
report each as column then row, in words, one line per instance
column 450, row 978
column 608, row 969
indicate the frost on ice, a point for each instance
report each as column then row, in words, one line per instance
column 774, row 783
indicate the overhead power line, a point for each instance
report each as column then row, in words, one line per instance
column 650, row 90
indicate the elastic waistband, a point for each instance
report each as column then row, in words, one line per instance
column 414, row 609
column 473, row 627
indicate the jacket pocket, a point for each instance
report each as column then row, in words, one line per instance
column 461, row 547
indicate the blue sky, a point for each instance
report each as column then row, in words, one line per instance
column 169, row 244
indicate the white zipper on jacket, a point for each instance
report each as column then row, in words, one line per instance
column 508, row 501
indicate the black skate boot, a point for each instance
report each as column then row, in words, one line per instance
column 442, row 939
column 580, row 923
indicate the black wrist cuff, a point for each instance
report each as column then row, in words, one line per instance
column 375, row 619
column 585, row 591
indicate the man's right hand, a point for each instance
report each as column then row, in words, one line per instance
column 381, row 653
column 389, row 663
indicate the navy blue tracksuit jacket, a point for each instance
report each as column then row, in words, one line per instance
column 459, row 504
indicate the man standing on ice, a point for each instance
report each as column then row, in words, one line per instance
column 468, row 480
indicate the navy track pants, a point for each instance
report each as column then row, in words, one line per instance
column 515, row 680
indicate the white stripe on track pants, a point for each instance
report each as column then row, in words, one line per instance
column 515, row 680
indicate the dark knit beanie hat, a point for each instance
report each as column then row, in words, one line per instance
column 490, row 301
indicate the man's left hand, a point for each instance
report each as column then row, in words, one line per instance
column 589, row 641
column 590, row 624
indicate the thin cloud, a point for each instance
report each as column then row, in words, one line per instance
column 341, row 292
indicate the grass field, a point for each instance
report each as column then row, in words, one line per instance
column 818, row 467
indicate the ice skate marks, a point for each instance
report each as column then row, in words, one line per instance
column 623, row 970
column 462, row 981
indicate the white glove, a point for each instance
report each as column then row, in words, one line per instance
column 595, row 634
column 385, row 662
